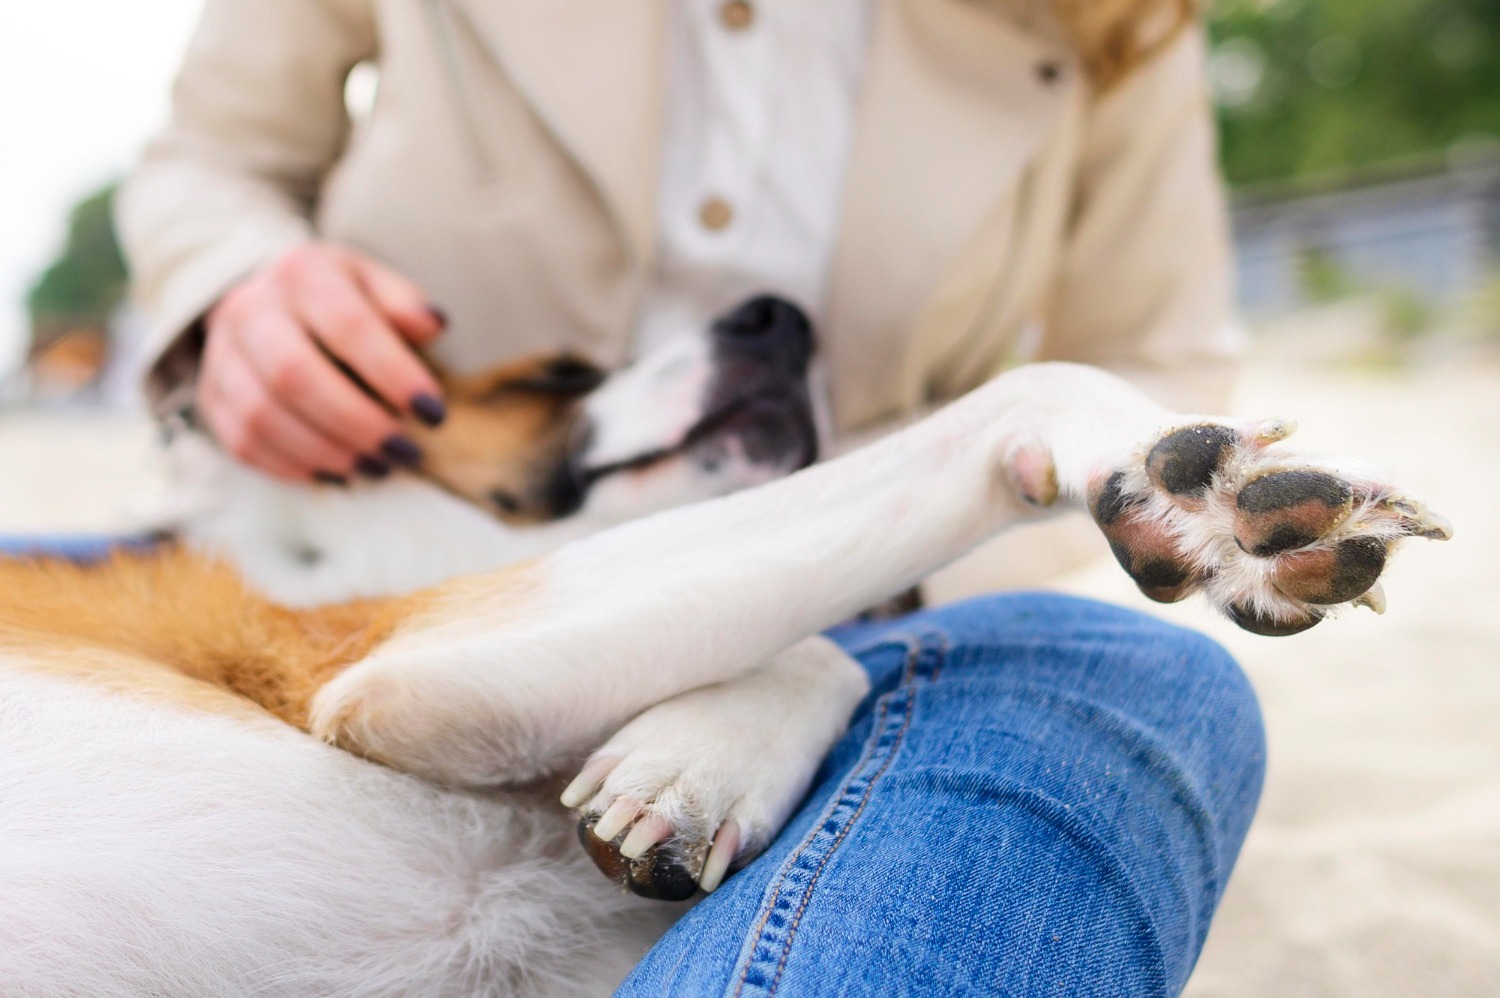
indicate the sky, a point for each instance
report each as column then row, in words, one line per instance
column 83, row 83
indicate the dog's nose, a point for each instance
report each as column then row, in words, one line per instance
column 769, row 327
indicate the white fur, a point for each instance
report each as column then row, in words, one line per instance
column 155, row 850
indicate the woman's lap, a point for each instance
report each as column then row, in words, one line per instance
column 1042, row 795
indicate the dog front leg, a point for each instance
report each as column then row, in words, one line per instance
column 506, row 678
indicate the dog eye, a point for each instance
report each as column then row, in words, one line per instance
column 565, row 375
column 504, row 501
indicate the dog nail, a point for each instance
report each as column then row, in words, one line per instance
column 613, row 821
column 371, row 467
column 429, row 409
column 1270, row 431
column 582, row 788
column 1374, row 599
column 644, row 835
column 402, row 451
column 439, row 315
column 329, row 478
column 726, row 844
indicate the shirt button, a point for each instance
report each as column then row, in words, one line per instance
column 737, row 15
column 715, row 214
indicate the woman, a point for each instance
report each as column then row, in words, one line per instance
column 1044, row 795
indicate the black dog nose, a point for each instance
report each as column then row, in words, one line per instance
column 769, row 327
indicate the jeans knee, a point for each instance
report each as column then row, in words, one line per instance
column 1178, row 683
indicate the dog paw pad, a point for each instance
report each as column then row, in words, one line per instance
column 1285, row 510
column 658, row 873
column 1141, row 543
column 1184, row 462
column 1277, row 543
column 1325, row 575
column 1269, row 625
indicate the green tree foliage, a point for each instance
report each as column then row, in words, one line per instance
column 1317, row 86
column 86, row 282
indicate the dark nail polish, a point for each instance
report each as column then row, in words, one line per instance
column 371, row 467
column 402, row 451
column 329, row 478
column 429, row 409
column 439, row 315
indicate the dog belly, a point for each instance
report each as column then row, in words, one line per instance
column 149, row 848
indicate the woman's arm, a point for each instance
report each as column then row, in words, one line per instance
column 1145, row 287
column 219, row 209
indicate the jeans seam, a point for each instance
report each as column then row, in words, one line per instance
column 918, row 649
column 775, row 888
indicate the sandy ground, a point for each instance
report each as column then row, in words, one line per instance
column 1374, row 867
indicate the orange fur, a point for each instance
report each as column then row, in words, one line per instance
column 187, row 616
column 171, row 623
column 507, row 433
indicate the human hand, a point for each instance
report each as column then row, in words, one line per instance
column 271, row 390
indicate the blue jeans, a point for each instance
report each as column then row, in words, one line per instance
column 1041, row 796
column 78, row 547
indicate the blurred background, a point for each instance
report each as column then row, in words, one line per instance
column 1362, row 142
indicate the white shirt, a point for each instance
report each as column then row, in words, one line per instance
column 760, row 110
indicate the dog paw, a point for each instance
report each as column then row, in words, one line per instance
column 696, row 787
column 1275, row 540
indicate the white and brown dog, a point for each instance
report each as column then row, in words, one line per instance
column 167, row 826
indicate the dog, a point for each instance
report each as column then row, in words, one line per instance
column 170, row 827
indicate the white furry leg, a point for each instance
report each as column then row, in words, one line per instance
column 704, row 781
column 502, row 680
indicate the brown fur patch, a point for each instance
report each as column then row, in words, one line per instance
column 504, row 446
column 135, row 621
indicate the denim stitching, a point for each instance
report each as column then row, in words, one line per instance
column 918, row 650
column 774, row 892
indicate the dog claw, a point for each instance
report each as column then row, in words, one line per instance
column 613, row 821
column 726, row 844
column 587, row 782
column 1270, row 431
column 646, row 834
column 1423, row 522
column 1374, row 599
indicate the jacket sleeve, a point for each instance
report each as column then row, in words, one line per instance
column 258, row 118
column 1145, row 285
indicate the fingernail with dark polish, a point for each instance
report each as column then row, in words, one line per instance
column 371, row 467
column 329, row 478
column 429, row 409
column 402, row 451
column 439, row 315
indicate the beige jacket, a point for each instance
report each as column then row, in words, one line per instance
column 995, row 208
